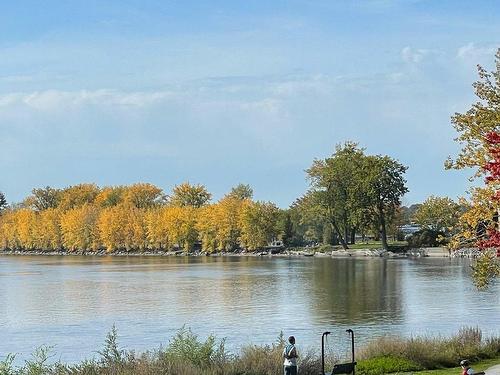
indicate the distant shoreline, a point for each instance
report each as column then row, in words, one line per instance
column 302, row 253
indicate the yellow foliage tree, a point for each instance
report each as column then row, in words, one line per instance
column 229, row 219
column 207, row 226
column 9, row 237
column 477, row 219
column 123, row 227
column 26, row 221
column 79, row 227
column 157, row 228
column 482, row 118
column 171, row 225
column 219, row 224
column 181, row 225
column 137, row 234
column 48, row 230
column 112, row 227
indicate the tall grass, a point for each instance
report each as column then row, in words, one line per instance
column 187, row 354
column 435, row 352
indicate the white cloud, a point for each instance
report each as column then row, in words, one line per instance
column 471, row 51
column 411, row 55
column 56, row 100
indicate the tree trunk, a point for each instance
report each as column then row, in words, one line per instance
column 339, row 235
column 335, row 240
column 353, row 236
column 383, row 231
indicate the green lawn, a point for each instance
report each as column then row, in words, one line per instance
column 479, row 366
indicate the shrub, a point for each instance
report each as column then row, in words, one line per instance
column 435, row 352
column 426, row 238
column 261, row 360
column 186, row 347
column 38, row 364
column 111, row 355
column 6, row 367
column 187, row 355
column 386, row 365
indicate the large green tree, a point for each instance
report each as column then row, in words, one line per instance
column 309, row 221
column 383, row 186
column 335, row 186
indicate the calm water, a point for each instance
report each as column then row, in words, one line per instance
column 71, row 302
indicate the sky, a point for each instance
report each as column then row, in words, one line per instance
column 226, row 92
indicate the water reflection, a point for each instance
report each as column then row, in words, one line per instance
column 357, row 291
column 71, row 302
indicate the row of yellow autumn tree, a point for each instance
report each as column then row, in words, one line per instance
column 137, row 218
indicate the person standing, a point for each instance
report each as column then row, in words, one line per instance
column 290, row 356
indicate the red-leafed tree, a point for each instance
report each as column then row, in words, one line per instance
column 493, row 168
column 479, row 134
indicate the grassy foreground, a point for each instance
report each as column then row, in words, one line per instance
column 479, row 366
column 186, row 354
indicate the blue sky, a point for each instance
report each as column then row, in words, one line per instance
column 223, row 92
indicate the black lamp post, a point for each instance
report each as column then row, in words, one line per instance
column 323, row 352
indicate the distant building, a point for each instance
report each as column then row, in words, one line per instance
column 275, row 244
column 409, row 229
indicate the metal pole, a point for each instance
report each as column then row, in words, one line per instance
column 351, row 332
column 323, row 352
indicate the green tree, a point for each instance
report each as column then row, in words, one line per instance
column 335, row 186
column 3, row 201
column 43, row 198
column 190, row 195
column 439, row 214
column 383, row 187
column 258, row 224
column 309, row 220
column 285, row 228
column 241, row 191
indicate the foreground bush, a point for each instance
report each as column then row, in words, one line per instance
column 435, row 352
column 186, row 354
column 386, row 365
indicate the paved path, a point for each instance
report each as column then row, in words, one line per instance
column 495, row 370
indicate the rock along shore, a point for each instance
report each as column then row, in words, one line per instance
column 434, row 252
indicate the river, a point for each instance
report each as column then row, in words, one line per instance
column 71, row 302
